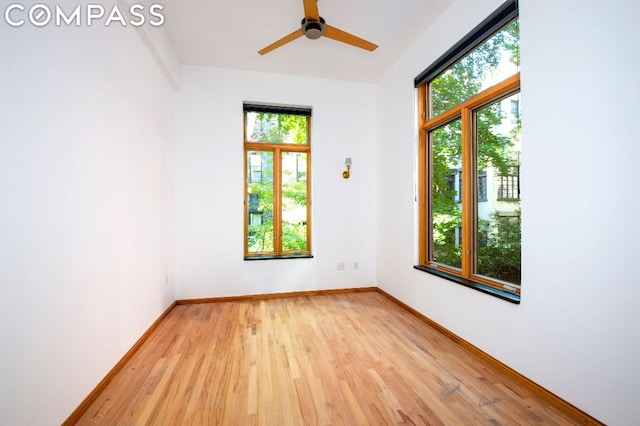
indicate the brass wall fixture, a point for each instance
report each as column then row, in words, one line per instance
column 347, row 173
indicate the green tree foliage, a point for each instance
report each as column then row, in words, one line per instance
column 294, row 196
column 280, row 128
column 500, row 258
column 294, row 236
column 447, row 217
column 261, row 232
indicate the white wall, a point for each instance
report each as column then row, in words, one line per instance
column 576, row 331
column 209, row 184
column 86, row 228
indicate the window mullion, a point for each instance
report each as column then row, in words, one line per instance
column 277, row 200
column 467, row 192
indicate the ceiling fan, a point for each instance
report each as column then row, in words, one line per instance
column 314, row 27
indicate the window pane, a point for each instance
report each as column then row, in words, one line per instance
column 260, row 201
column 294, row 201
column 446, row 194
column 491, row 62
column 276, row 128
column 498, row 218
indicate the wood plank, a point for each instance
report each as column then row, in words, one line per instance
column 355, row 358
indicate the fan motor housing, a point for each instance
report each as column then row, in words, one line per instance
column 313, row 29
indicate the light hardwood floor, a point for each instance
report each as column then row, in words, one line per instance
column 353, row 359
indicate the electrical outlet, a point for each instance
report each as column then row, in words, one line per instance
column 340, row 266
column 355, row 265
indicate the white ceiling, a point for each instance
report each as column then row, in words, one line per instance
column 228, row 34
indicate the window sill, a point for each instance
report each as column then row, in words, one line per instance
column 286, row 256
column 504, row 295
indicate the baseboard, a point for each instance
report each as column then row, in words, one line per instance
column 95, row 393
column 276, row 295
column 542, row 393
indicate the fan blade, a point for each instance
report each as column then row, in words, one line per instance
column 284, row 40
column 339, row 35
column 311, row 10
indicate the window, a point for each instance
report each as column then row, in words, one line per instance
column 509, row 185
column 469, row 156
column 451, row 185
column 482, row 185
column 515, row 110
column 277, row 183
